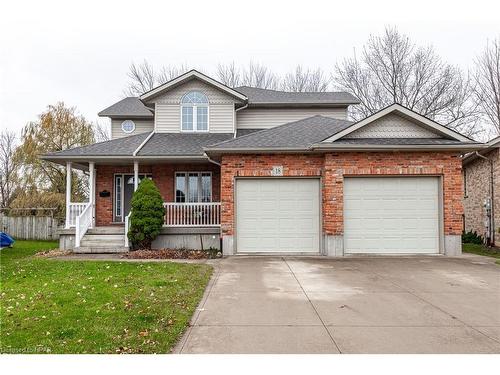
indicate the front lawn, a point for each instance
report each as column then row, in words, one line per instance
column 481, row 250
column 61, row 306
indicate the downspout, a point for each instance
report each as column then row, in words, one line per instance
column 211, row 160
column 491, row 240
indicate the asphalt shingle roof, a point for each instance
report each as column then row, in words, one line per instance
column 116, row 147
column 130, row 106
column 265, row 96
column 162, row 144
column 294, row 135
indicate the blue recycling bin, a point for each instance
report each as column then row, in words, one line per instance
column 6, row 240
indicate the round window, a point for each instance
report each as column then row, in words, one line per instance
column 128, row 126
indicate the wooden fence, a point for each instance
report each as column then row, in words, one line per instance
column 30, row 227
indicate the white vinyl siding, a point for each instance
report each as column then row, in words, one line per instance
column 277, row 215
column 391, row 215
column 259, row 118
column 141, row 126
column 168, row 118
column 220, row 112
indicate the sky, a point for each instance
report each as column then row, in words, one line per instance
column 80, row 52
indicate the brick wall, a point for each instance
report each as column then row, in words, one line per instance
column 334, row 166
column 163, row 176
column 259, row 166
column 477, row 180
column 448, row 165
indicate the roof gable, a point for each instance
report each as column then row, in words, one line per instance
column 396, row 121
column 186, row 77
column 392, row 126
column 175, row 94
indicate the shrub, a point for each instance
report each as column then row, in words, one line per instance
column 472, row 237
column 146, row 219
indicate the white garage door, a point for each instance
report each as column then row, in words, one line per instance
column 278, row 215
column 391, row 215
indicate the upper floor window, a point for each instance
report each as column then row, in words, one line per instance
column 194, row 112
column 128, row 126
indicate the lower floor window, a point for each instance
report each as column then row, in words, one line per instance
column 193, row 187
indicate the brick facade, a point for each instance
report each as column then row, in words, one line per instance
column 333, row 167
column 477, row 181
column 163, row 175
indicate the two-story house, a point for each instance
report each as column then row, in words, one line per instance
column 258, row 171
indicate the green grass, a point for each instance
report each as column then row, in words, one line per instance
column 481, row 250
column 62, row 306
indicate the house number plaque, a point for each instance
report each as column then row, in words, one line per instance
column 277, row 170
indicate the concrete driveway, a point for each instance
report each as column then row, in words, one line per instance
column 350, row 305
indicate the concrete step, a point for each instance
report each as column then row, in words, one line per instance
column 115, row 229
column 100, row 250
column 101, row 243
column 104, row 237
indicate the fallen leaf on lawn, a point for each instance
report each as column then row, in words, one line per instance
column 144, row 333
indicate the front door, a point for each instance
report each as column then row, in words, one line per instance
column 127, row 192
column 124, row 189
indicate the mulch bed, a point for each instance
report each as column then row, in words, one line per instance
column 52, row 253
column 172, row 254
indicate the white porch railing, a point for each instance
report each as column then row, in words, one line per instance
column 127, row 227
column 192, row 214
column 75, row 210
column 83, row 223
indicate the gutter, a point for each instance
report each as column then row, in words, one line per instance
column 490, row 206
column 211, row 160
column 354, row 147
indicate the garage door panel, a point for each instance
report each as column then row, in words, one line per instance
column 391, row 215
column 277, row 215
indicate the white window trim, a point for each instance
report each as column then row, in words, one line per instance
column 186, row 174
column 130, row 131
column 116, row 196
column 195, row 114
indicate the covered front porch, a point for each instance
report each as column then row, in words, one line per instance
column 190, row 189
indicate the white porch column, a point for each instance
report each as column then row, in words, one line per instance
column 92, row 191
column 136, row 175
column 68, row 192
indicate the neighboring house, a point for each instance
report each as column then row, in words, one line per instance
column 268, row 172
column 481, row 175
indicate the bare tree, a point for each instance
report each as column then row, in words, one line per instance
column 487, row 88
column 8, row 166
column 229, row 74
column 254, row 75
column 258, row 75
column 144, row 77
column 305, row 80
column 393, row 69
column 102, row 131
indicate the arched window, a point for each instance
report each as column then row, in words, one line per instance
column 194, row 112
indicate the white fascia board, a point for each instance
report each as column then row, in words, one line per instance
column 443, row 130
column 350, row 147
column 188, row 75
